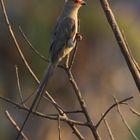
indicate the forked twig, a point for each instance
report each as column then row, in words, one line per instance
column 46, row 116
column 15, row 40
column 79, row 95
column 110, row 108
column 124, row 120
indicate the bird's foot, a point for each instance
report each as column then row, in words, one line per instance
column 78, row 37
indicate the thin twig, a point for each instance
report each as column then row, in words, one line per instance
column 108, row 129
column 10, row 118
column 14, row 38
column 121, row 42
column 76, row 131
column 82, row 104
column 72, row 112
column 110, row 108
column 73, row 56
column 67, row 62
column 75, row 50
column 124, row 120
column 57, row 105
column 134, row 111
column 132, row 57
column 80, row 98
column 31, row 46
column 46, row 116
column 18, row 83
column 59, row 128
column 35, row 50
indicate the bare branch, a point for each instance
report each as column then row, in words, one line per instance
column 134, row 111
column 72, row 112
column 55, row 104
column 110, row 108
column 67, row 61
column 78, row 38
column 76, row 131
column 15, row 124
column 73, row 56
column 46, row 116
column 132, row 65
column 124, row 120
column 80, row 99
column 14, row 39
column 18, row 83
column 31, row 46
column 59, row 128
column 35, row 50
column 20, row 52
column 137, row 65
column 108, row 129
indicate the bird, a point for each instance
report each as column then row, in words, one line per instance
column 62, row 43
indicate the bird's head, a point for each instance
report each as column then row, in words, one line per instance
column 81, row 2
column 78, row 2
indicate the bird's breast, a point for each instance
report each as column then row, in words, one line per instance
column 70, row 45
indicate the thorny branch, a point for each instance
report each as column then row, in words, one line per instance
column 131, row 62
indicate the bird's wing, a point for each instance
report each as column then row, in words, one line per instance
column 64, row 30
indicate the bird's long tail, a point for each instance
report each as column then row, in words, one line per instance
column 38, row 93
column 46, row 78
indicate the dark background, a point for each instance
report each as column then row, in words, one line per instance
column 99, row 69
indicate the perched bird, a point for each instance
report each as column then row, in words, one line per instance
column 63, row 41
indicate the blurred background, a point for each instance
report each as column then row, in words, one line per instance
column 99, row 68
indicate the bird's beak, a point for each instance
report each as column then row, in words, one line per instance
column 83, row 3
